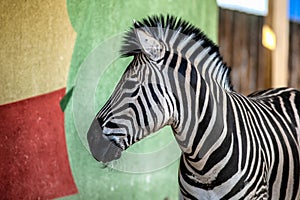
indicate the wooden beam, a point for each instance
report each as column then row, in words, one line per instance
column 279, row 22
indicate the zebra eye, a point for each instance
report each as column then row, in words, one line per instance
column 130, row 84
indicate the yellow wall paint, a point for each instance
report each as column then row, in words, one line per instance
column 36, row 45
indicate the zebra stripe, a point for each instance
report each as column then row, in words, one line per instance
column 233, row 146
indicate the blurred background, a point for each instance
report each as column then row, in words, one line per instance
column 44, row 43
column 260, row 41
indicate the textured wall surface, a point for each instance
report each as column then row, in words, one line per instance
column 36, row 44
column 96, row 21
column 33, row 156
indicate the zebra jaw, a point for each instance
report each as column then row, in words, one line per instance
column 103, row 148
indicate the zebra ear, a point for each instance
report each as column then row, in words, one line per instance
column 150, row 46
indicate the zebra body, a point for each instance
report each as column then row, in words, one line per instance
column 233, row 146
column 260, row 158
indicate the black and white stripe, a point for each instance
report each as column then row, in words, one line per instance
column 233, row 146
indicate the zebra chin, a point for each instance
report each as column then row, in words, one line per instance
column 100, row 146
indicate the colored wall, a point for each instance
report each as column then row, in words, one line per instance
column 33, row 155
column 36, row 44
column 43, row 45
column 95, row 22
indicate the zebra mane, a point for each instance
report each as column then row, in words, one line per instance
column 156, row 26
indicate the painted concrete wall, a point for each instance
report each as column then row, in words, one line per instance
column 36, row 44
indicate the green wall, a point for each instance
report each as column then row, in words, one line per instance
column 94, row 22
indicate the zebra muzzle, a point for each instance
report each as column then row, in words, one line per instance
column 101, row 147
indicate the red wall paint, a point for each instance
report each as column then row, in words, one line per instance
column 33, row 156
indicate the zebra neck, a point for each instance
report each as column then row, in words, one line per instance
column 211, row 67
column 210, row 117
column 201, row 102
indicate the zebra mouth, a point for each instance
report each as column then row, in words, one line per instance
column 102, row 148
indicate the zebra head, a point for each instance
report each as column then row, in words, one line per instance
column 140, row 104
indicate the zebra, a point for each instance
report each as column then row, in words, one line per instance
column 233, row 146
